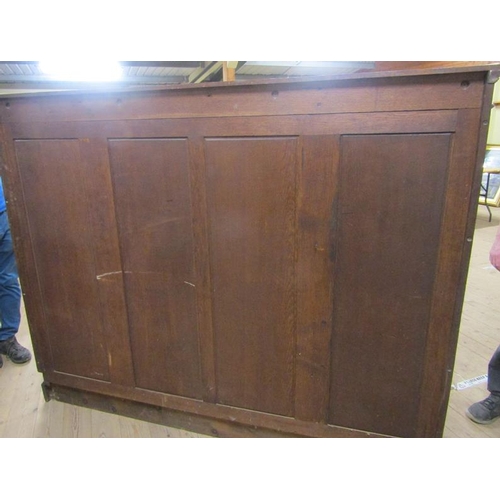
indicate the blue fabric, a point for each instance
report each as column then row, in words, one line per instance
column 3, row 206
column 10, row 291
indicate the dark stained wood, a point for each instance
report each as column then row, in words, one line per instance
column 247, row 418
column 251, row 259
column 202, row 267
column 251, row 195
column 361, row 96
column 364, row 76
column 154, row 218
column 335, row 124
column 318, row 182
column 95, row 158
column 58, row 207
column 391, row 198
column 428, row 424
column 18, row 220
column 454, row 246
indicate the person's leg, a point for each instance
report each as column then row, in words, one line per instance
column 10, row 292
column 488, row 410
column 494, row 373
column 10, row 298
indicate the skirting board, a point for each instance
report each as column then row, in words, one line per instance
column 181, row 420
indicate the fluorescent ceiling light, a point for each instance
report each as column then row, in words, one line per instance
column 82, row 71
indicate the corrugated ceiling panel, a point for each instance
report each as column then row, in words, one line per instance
column 265, row 69
column 25, row 69
column 6, row 69
column 301, row 71
column 20, row 69
column 158, row 72
column 302, row 68
column 261, row 70
column 181, row 71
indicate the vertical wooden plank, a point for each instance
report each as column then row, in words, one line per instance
column 132, row 428
column 229, row 71
column 454, row 251
column 391, row 199
column 20, row 387
column 23, row 246
column 52, row 418
column 108, row 265
column 317, row 189
column 104, row 425
column 76, row 421
column 43, row 418
column 251, row 194
column 202, row 267
column 59, row 210
column 154, row 216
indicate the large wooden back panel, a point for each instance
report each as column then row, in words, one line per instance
column 286, row 257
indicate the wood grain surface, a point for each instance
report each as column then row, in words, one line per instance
column 287, row 258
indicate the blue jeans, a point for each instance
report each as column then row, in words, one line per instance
column 10, row 291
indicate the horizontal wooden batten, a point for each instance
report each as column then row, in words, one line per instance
column 368, row 96
column 282, row 425
column 348, row 123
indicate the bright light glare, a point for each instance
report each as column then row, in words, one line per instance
column 81, row 71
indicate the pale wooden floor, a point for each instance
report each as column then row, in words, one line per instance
column 24, row 413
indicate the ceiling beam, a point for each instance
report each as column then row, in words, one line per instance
column 229, row 71
column 202, row 74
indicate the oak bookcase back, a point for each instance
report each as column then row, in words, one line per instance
column 251, row 259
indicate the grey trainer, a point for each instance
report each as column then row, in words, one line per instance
column 486, row 411
column 14, row 351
